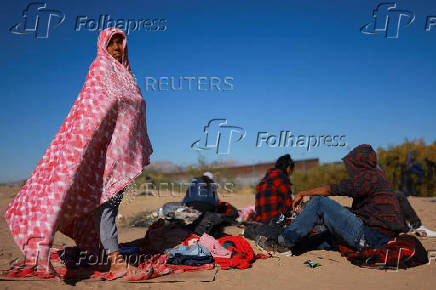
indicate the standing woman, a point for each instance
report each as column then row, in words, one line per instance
column 100, row 148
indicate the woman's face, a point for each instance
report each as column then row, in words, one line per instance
column 115, row 47
column 289, row 171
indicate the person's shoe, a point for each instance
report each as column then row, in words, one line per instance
column 423, row 231
column 270, row 245
column 262, row 242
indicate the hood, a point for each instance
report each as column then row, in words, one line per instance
column 103, row 40
column 362, row 157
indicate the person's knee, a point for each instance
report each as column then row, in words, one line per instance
column 324, row 202
column 314, row 202
column 317, row 199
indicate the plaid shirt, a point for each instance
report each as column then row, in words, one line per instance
column 273, row 195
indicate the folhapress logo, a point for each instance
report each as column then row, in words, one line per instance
column 388, row 20
column 218, row 134
column 38, row 20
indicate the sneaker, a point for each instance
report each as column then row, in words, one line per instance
column 423, row 231
column 283, row 242
column 270, row 245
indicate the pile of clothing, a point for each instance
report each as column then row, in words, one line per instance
column 228, row 252
column 180, row 239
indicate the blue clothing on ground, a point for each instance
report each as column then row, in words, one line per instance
column 193, row 250
column 194, row 255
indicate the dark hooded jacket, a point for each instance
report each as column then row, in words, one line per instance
column 374, row 200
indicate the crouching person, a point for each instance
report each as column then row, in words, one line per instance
column 202, row 193
column 375, row 215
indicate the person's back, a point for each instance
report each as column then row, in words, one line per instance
column 202, row 194
column 273, row 193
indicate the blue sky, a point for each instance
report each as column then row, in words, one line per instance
column 301, row 66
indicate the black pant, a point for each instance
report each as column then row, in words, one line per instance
column 410, row 217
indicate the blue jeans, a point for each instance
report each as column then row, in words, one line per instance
column 346, row 228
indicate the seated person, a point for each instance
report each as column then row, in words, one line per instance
column 273, row 193
column 375, row 216
column 202, row 193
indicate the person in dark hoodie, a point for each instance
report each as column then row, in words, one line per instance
column 375, row 215
column 273, row 193
column 202, row 193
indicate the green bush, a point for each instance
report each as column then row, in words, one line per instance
column 392, row 158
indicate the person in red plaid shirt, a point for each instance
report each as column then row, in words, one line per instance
column 273, row 193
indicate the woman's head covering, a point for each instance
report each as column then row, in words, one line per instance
column 103, row 41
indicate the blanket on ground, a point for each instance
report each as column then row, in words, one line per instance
column 152, row 267
column 70, row 263
column 401, row 252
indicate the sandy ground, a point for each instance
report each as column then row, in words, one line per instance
column 284, row 272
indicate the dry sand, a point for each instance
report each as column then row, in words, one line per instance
column 284, row 272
